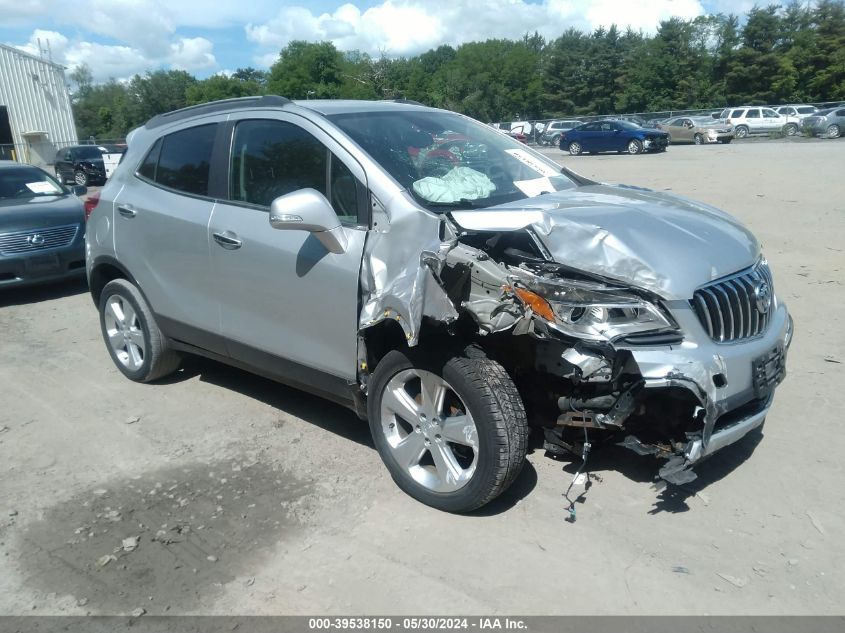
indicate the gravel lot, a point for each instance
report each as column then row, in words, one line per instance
column 249, row 497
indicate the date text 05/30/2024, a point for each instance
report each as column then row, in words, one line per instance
column 416, row 624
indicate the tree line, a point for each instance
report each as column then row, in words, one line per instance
column 778, row 54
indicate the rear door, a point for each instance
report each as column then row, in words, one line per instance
column 586, row 135
column 754, row 120
column 283, row 296
column 161, row 233
column 772, row 121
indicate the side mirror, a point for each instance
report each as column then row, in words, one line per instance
column 308, row 210
column 79, row 190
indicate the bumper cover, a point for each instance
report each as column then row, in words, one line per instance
column 734, row 384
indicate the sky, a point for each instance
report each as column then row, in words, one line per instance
column 119, row 38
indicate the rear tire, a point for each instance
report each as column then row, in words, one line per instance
column 575, row 148
column 698, row 139
column 450, row 428
column 834, row 131
column 136, row 345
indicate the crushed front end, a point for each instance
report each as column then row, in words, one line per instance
column 675, row 378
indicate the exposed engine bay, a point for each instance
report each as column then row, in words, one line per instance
column 574, row 360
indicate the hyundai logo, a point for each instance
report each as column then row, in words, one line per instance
column 763, row 295
column 35, row 239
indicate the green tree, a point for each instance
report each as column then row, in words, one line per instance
column 221, row 87
column 307, row 70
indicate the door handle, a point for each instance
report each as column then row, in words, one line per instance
column 126, row 211
column 228, row 239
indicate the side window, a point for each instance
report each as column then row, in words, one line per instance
column 273, row 158
column 840, row 113
column 148, row 167
column 753, row 114
column 737, row 114
column 184, row 159
column 344, row 191
column 770, row 114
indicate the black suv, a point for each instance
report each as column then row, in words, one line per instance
column 82, row 164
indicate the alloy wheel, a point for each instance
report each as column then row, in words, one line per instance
column 80, row 178
column 575, row 148
column 429, row 430
column 634, row 147
column 834, row 131
column 741, row 132
column 124, row 332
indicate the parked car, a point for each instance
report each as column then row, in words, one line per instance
column 81, row 164
column 551, row 134
column 302, row 241
column 42, row 227
column 795, row 114
column 613, row 135
column 748, row 120
column 829, row 123
column 698, row 131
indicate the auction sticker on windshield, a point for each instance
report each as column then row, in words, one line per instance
column 41, row 187
column 528, row 160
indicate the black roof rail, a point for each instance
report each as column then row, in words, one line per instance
column 266, row 101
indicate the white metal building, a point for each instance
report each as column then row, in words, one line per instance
column 36, row 118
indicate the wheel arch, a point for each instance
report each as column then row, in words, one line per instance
column 104, row 270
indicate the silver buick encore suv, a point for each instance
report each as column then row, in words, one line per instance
column 444, row 281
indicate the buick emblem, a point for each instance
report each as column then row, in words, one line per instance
column 763, row 295
column 36, row 239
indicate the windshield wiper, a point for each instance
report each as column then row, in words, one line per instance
column 463, row 203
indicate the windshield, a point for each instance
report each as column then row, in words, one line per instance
column 27, row 182
column 89, row 152
column 447, row 160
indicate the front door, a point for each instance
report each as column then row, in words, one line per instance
column 287, row 304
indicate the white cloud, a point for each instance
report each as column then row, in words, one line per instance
column 192, row 53
column 120, row 61
column 407, row 27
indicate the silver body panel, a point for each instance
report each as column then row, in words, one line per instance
column 612, row 231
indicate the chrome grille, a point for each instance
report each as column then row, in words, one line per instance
column 735, row 308
column 37, row 239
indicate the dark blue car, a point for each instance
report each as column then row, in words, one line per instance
column 613, row 136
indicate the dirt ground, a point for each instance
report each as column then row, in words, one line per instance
column 237, row 495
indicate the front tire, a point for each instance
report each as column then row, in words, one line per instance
column 575, row 148
column 80, row 178
column 634, row 146
column 451, row 429
column 698, row 139
column 790, row 129
column 136, row 345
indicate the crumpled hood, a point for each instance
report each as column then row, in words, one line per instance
column 660, row 242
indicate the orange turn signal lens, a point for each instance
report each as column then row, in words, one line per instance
column 538, row 305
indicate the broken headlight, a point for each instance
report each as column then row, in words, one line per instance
column 595, row 312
